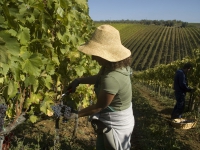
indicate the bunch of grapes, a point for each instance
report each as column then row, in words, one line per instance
column 57, row 110
column 62, row 110
column 67, row 112
column 3, row 109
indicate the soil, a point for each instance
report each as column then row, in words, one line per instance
column 189, row 138
column 43, row 132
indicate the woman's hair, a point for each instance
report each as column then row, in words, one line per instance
column 123, row 63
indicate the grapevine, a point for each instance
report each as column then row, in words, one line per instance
column 39, row 56
column 163, row 75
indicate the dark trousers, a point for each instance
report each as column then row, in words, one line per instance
column 179, row 106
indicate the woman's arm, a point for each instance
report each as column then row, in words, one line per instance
column 88, row 80
column 104, row 99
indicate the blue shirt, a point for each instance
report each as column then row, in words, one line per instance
column 180, row 82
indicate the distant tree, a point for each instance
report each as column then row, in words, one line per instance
column 156, row 22
column 184, row 24
column 169, row 23
column 162, row 22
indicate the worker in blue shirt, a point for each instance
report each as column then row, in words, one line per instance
column 180, row 89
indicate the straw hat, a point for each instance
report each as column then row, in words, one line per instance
column 106, row 44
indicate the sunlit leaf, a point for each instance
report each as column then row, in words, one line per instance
column 1, row 80
column 82, row 2
column 33, row 118
column 46, row 104
column 60, row 11
column 12, row 88
column 49, row 113
column 80, row 70
column 12, row 32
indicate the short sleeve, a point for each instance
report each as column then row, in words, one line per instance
column 110, row 84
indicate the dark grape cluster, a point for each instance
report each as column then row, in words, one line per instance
column 3, row 109
column 67, row 112
column 57, row 110
column 62, row 110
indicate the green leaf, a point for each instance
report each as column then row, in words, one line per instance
column 47, row 43
column 60, row 11
column 63, row 51
column 22, row 9
column 1, row 80
column 63, row 37
column 4, row 55
column 24, row 35
column 22, row 77
column 73, row 56
column 11, row 45
column 30, row 80
column 33, row 118
column 47, row 82
column 73, row 39
column 32, row 65
column 35, row 86
column 5, row 69
column 56, row 60
column 15, row 69
column 31, row 19
column 46, row 104
column 12, row 32
column 12, row 88
column 37, row 6
column 82, row 3
column 34, row 99
column 23, row 49
column 24, row 53
column 49, row 3
column 50, row 68
column 80, row 70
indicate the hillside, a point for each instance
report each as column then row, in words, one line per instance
column 152, row 45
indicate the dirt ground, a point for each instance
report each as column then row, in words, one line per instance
column 190, row 137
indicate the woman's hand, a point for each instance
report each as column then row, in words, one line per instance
column 104, row 99
column 72, row 86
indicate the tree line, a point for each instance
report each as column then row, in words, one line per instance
column 169, row 23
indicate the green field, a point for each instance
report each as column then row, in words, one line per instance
column 152, row 45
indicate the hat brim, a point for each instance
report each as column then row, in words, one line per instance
column 112, row 53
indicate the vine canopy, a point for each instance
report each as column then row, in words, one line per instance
column 39, row 56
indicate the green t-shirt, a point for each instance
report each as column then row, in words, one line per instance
column 117, row 82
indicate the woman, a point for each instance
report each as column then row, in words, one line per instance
column 112, row 115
